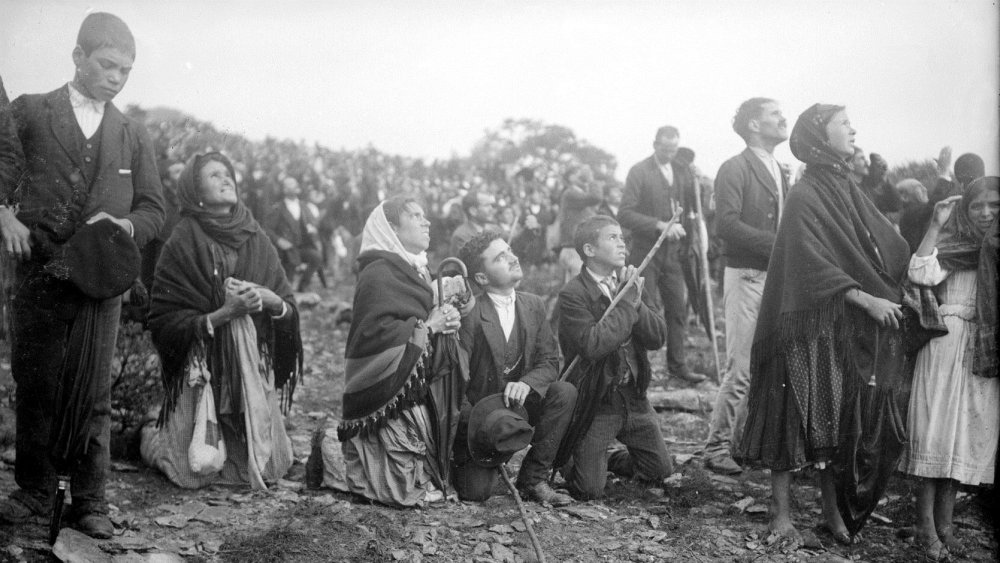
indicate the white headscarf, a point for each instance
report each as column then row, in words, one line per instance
column 378, row 235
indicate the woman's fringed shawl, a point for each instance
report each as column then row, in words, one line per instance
column 385, row 371
column 189, row 284
column 831, row 239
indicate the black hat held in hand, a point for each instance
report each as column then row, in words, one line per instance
column 101, row 260
column 497, row 432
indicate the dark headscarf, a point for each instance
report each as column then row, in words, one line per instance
column 961, row 240
column 231, row 230
column 190, row 278
column 831, row 239
column 965, row 246
column 809, row 143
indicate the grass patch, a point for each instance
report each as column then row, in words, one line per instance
column 276, row 545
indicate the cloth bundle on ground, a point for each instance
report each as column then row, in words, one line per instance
column 248, row 358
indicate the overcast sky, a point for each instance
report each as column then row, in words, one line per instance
column 427, row 78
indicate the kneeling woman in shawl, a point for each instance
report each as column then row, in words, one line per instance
column 223, row 320
column 954, row 415
column 829, row 313
column 389, row 447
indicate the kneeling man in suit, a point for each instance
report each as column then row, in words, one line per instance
column 511, row 351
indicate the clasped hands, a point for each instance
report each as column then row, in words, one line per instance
column 247, row 298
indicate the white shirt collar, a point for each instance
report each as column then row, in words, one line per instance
column 613, row 277
column 502, row 301
column 294, row 207
column 79, row 101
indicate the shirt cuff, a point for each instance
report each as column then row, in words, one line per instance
column 284, row 310
column 209, row 329
column 131, row 228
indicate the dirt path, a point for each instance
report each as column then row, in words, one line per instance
column 697, row 517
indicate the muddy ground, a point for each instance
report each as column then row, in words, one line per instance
column 696, row 517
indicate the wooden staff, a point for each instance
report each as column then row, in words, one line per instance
column 524, row 513
column 707, row 280
column 621, row 293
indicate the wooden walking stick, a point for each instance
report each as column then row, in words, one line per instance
column 502, row 468
column 621, row 293
column 707, row 281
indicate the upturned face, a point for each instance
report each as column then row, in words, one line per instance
column 501, row 267
column 218, row 187
column 840, row 134
column 983, row 209
column 609, row 251
column 772, row 124
column 414, row 229
column 103, row 73
column 859, row 163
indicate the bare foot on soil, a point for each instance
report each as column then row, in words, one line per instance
column 784, row 528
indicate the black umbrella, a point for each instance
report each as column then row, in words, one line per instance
column 448, row 379
column 76, row 396
column 873, row 426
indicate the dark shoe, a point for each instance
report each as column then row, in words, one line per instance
column 20, row 509
column 95, row 525
column 542, row 493
column 723, row 465
column 691, row 377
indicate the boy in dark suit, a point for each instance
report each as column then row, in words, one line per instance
column 85, row 162
column 511, row 351
column 614, row 373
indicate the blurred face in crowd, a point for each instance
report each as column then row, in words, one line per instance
column 609, row 252
column 218, row 188
column 665, row 148
column 583, row 176
column 919, row 194
column 859, row 163
column 984, row 208
column 501, row 268
column 414, row 229
column 771, row 124
column 290, row 187
column 840, row 134
column 614, row 195
column 485, row 209
column 174, row 171
column 103, row 73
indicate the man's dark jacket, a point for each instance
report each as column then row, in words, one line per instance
column 55, row 194
column 482, row 336
column 582, row 333
column 746, row 210
column 647, row 199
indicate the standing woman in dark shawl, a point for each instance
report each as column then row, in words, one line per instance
column 222, row 313
column 831, row 299
column 954, row 415
column 388, row 443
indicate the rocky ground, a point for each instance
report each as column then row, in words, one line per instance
column 696, row 517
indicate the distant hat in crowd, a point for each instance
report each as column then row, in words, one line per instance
column 684, row 156
column 497, row 432
column 101, row 259
column 911, row 191
column 968, row 167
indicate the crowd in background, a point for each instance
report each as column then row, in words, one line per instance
column 341, row 187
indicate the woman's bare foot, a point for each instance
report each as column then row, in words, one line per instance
column 783, row 527
column 947, row 536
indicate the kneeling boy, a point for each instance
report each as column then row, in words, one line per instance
column 614, row 372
